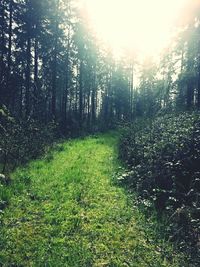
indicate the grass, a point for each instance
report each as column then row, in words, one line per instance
column 65, row 210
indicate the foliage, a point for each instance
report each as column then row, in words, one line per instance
column 65, row 211
column 53, row 68
column 163, row 156
column 22, row 140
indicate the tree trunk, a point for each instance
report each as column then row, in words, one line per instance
column 65, row 94
column 131, row 93
column 54, row 77
column 93, row 100
column 9, row 94
column 28, row 70
column 190, row 95
column 2, row 45
column 35, row 73
column 81, row 94
column 10, row 35
column 198, row 90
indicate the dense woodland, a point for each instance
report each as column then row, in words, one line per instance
column 54, row 69
column 58, row 80
column 55, row 76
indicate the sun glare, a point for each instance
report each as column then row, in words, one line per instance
column 144, row 26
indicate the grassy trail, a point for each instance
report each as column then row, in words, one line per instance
column 67, row 212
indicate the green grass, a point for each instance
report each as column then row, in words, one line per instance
column 65, row 210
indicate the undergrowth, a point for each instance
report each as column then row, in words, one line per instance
column 163, row 160
column 65, row 210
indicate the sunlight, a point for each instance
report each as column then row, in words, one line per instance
column 144, row 26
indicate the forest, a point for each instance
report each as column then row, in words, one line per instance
column 99, row 150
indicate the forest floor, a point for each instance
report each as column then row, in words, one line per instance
column 67, row 210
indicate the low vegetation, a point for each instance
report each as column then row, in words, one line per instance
column 66, row 210
column 163, row 159
column 22, row 140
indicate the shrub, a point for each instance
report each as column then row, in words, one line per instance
column 163, row 159
column 22, row 140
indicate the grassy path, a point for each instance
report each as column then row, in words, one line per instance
column 67, row 212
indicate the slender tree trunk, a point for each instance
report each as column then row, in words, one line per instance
column 54, row 74
column 198, row 90
column 110, row 95
column 93, row 105
column 2, row 45
column 76, row 97
column 131, row 93
column 105, row 112
column 93, row 98
column 65, row 94
column 35, row 72
column 198, row 81
column 81, row 94
column 8, row 82
column 28, row 70
column 88, row 109
column 190, row 95
column 10, row 36
column 20, row 102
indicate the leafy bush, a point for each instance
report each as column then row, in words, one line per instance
column 163, row 159
column 22, row 140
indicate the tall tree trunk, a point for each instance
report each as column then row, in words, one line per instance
column 81, row 94
column 110, row 95
column 36, row 71
column 93, row 105
column 2, row 45
column 88, row 109
column 9, row 95
column 131, row 93
column 198, row 81
column 10, row 36
column 93, row 98
column 76, row 97
column 198, row 90
column 54, row 74
column 65, row 94
column 28, row 70
column 190, row 95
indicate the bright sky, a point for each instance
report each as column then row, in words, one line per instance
column 144, row 26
